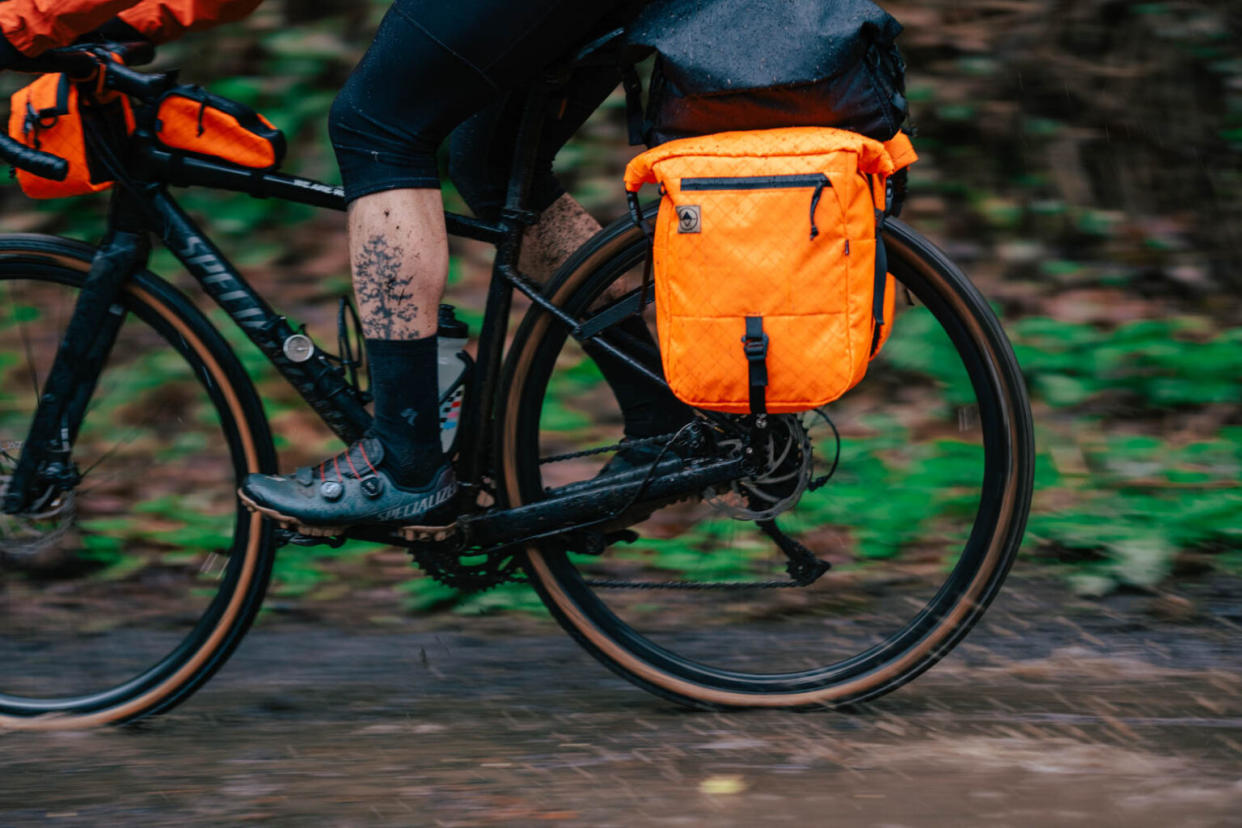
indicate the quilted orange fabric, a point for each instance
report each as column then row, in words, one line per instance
column 768, row 294
column 201, row 123
column 45, row 115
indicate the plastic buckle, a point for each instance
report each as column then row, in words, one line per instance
column 755, row 347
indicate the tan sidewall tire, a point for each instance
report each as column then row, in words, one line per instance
column 256, row 557
column 938, row 641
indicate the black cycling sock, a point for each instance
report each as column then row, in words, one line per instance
column 407, row 407
column 648, row 409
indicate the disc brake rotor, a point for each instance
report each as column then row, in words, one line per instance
column 783, row 451
column 25, row 536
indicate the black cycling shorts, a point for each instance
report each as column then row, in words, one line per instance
column 433, row 65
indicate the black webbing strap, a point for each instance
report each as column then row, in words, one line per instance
column 633, row 103
column 755, row 346
column 636, row 216
column 881, row 281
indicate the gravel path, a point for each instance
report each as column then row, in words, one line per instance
column 1054, row 712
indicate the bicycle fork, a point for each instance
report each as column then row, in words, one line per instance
column 45, row 467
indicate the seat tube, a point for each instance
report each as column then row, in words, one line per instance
column 516, row 216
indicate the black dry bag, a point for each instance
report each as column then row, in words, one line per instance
column 726, row 65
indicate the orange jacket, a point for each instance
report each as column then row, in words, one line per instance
column 33, row 26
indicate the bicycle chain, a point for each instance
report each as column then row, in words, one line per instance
column 503, row 567
column 658, row 440
column 605, row 583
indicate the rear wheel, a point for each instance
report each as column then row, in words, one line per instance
column 123, row 596
column 920, row 519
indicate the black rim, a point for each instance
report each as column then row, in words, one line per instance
column 34, row 270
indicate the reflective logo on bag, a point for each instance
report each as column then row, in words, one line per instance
column 688, row 218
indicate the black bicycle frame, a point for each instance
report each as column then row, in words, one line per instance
column 142, row 204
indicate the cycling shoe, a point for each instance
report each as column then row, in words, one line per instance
column 350, row 489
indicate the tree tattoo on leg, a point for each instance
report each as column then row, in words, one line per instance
column 385, row 292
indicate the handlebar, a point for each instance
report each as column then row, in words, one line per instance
column 82, row 61
column 42, row 164
column 83, row 64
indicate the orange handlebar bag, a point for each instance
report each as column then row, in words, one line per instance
column 192, row 120
column 46, row 115
column 772, row 288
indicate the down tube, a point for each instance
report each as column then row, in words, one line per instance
column 320, row 383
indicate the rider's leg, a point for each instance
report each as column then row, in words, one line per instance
column 481, row 153
column 399, row 258
column 562, row 228
column 646, row 409
column 431, row 66
column 398, row 250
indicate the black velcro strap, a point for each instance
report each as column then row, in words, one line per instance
column 755, row 346
column 881, row 281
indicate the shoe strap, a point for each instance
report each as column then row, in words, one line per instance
column 359, row 462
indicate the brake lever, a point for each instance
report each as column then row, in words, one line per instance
column 131, row 53
column 119, row 77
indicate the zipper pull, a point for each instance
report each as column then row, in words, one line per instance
column 819, row 191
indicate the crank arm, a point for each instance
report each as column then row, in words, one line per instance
column 572, row 508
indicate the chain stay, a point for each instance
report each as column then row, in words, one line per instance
column 502, row 564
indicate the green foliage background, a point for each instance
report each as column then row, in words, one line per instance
column 1081, row 160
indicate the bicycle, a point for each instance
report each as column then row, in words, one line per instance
column 131, row 571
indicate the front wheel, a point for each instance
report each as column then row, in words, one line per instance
column 118, row 599
column 915, row 487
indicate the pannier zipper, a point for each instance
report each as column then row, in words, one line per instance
column 819, row 190
column 765, row 182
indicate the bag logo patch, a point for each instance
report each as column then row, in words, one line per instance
column 688, row 218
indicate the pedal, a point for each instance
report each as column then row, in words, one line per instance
column 594, row 543
column 284, row 536
column 426, row 534
column 335, row 538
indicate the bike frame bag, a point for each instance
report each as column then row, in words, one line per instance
column 47, row 115
column 192, row 120
column 771, row 283
column 728, row 65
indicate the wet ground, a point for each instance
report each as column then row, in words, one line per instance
column 1054, row 711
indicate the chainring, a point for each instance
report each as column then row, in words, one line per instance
column 469, row 570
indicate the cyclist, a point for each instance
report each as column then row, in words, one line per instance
column 434, row 68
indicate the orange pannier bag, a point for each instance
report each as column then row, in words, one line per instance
column 192, row 120
column 46, row 115
column 771, row 284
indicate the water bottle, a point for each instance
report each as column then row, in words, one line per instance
column 453, row 365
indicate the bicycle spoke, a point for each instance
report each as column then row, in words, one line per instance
column 123, row 579
column 28, row 349
column 732, row 591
